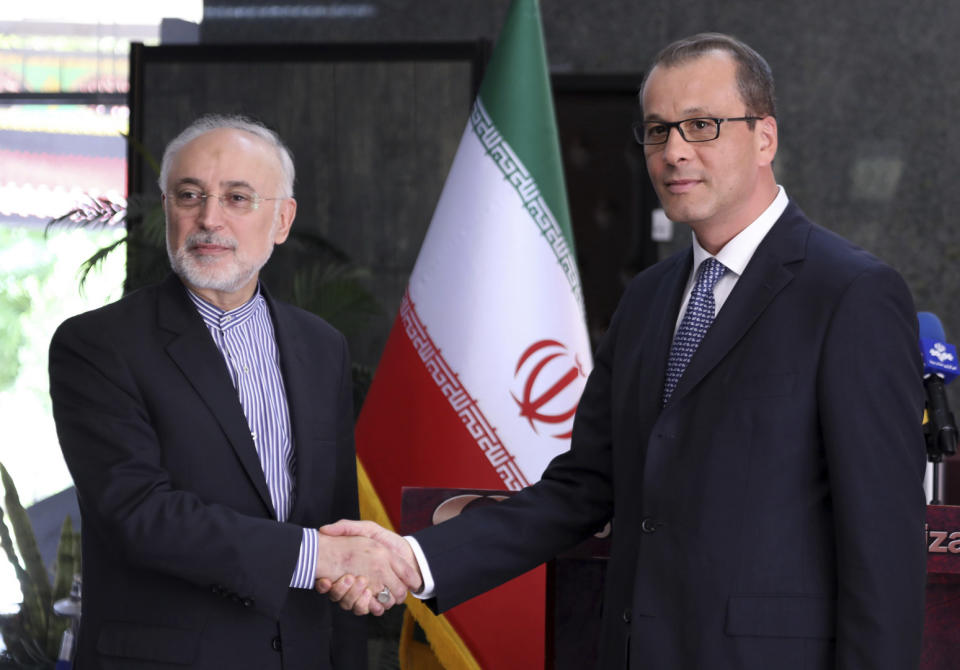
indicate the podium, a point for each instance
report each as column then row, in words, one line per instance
column 574, row 585
column 941, row 630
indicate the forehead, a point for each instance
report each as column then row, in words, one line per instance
column 226, row 155
column 706, row 84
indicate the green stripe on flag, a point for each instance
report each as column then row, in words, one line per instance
column 529, row 192
column 516, row 94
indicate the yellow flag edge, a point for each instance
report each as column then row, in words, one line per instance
column 446, row 643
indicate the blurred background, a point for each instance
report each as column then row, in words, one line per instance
column 373, row 95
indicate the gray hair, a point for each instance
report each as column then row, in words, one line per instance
column 210, row 122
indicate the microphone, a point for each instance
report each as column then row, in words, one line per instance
column 939, row 369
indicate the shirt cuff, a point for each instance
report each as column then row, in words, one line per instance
column 305, row 574
column 429, row 588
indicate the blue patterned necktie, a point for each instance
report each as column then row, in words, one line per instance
column 694, row 325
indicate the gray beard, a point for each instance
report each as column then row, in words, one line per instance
column 194, row 270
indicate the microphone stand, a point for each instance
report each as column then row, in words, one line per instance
column 938, row 476
column 940, row 432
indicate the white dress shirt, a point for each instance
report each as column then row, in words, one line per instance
column 735, row 254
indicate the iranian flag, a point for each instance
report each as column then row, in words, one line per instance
column 480, row 377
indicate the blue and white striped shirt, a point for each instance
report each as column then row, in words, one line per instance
column 246, row 339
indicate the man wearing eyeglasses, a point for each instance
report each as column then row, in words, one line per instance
column 752, row 422
column 209, row 432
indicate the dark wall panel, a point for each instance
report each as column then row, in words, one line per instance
column 867, row 96
column 373, row 131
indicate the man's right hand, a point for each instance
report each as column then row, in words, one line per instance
column 362, row 566
column 354, row 590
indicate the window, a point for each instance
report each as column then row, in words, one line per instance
column 63, row 84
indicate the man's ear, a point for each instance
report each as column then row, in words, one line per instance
column 766, row 134
column 287, row 213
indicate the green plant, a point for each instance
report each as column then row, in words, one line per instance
column 32, row 636
column 144, row 238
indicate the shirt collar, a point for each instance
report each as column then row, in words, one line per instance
column 215, row 317
column 736, row 253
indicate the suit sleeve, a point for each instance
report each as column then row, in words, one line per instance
column 871, row 404
column 129, row 502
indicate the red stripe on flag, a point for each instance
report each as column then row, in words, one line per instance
column 410, row 434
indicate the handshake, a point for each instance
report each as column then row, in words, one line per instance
column 365, row 568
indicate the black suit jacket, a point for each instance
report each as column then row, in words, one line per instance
column 772, row 514
column 184, row 563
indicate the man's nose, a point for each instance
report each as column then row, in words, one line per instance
column 210, row 213
column 676, row 148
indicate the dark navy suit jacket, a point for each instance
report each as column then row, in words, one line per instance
column 184, row 563
column 772, row 514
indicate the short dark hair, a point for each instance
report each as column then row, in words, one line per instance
column 754, row 76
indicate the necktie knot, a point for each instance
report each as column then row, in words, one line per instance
column 708, row 274
column 701, row 310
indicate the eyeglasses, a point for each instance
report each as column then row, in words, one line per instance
column 235, row 201
column 701, row 129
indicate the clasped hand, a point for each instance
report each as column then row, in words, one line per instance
column 357, row 559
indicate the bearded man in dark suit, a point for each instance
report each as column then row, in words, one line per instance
column 209, row 432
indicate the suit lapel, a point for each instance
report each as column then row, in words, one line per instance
column 765, row 276
column 194, row 352
column 297, row 380
column 659, row 333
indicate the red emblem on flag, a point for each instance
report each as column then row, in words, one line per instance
column 548, row 369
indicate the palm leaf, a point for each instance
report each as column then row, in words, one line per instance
column 336, row 293
column 90, row 212
column 98, row 258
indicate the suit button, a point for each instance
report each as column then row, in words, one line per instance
column 626, row 616
column 649, row 525
column 275, row 643
column 247, row 602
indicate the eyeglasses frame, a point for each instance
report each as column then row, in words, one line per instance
column 256, row 198
column 638, row 128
